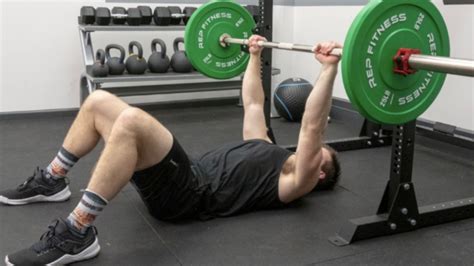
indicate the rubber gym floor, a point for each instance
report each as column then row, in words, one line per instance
column 294, row 236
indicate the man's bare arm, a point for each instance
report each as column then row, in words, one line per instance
column 309, row 151
column 253, row 97
column 252, row 90
column 318, row 105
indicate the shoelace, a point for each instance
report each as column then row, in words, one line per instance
column 29, row 180
column 48, row 239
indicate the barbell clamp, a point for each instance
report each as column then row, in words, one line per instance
column 401, row 63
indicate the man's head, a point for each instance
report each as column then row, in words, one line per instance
column 330, row 170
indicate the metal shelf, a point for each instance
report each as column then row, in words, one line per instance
column 151, row 83
column 173, row 88
column 151, row 27
column 164, row 78
column 148, row 83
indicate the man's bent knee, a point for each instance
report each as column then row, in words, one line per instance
column 97, row 99
column 132, row 119
column 153, row 140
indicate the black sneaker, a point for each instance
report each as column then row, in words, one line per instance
column 37, row 189
column 58, row 246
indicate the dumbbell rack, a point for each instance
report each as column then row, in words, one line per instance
column 148, row 83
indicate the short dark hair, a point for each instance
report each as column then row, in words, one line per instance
column 332, row 170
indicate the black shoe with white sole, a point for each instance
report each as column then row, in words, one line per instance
column 58, row 246
column 37, row 189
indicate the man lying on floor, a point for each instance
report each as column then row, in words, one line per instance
column 247, row 175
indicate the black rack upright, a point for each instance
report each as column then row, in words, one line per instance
column 398, row 210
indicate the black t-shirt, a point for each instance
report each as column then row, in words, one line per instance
column 240, row 177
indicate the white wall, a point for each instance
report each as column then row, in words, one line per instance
column 283, row 17
column 48, row 44
column 42, row 58
column 1, row 55
column 455, row 103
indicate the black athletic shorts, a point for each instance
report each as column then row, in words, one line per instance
column 170, row 189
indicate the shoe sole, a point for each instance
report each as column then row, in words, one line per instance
column 60, row 196
column 88, row 253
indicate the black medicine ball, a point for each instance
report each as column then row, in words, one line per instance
column 290, row 98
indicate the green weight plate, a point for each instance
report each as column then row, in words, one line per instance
column 379, row 30
column 208, row 23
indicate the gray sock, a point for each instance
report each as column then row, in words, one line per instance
column 90, row 206
column 61, row 164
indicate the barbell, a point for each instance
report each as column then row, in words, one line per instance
column 406, row 59
column 394, row 60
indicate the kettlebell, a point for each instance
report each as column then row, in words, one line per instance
column 136, row 63
column 158, row 62
column 179, row 61
column 100, row 69
column 116, row 64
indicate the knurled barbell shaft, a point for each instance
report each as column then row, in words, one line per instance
column 448, row 65
column 281, row 45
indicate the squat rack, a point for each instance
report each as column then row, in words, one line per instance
column 264, row 28
column 398, row 210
